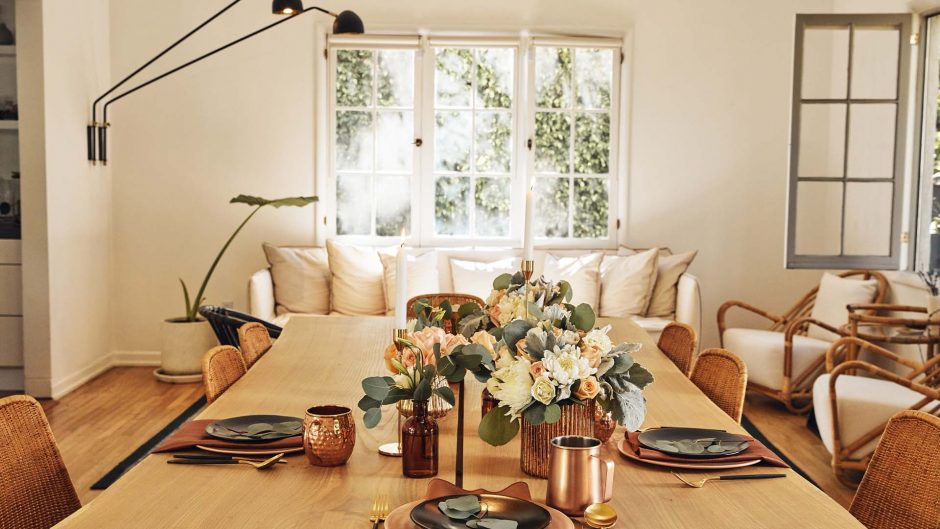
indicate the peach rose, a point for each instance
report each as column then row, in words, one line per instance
column 408, row 358
column 451, row 341
column 588, row 388
column 391, row 352
column 536, row 369
column 592, row 354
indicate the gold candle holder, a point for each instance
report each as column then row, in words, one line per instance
column 528, row 267
column 394, row 449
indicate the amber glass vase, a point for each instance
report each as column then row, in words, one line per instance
column 419, row 443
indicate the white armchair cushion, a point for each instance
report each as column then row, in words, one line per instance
column 582, row 272
column 762, row 351
column 669, row 269
column 422, row 276
column 627, row 283
column 476, row 278
column 864, row 404
column 833, row 295
column 261, row 295
column 358, row 279
column 301, row 279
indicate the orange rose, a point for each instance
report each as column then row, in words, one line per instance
column 536, row 369
column 592, row 354
column 391, row 352
column 408, row 358
column 588, row 388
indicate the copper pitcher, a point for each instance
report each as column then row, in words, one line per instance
column 329, row 435
column 577, row 474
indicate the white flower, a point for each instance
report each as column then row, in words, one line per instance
column 571, row 337
column 512, row 386
column 565, row 365
column 543, row 390
column 402, row 381
column 511, row 307
column 597, row 338
column 555, row 312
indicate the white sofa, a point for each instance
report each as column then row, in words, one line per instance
column 262, row 302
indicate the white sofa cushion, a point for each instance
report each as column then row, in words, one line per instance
column 476, row 278
column 669, row 268
column 301, row 277
column 627, row 283
column 582, row 272
column 864, row 404
column 762, row 351
column 833, row 295
column 358, row 279
column 422, row 276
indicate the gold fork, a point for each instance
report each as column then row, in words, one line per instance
column 379, row 510
column 701, row 483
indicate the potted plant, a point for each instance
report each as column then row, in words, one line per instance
column 185, row 339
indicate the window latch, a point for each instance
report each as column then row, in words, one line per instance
column 418, row 142
column 528, row 143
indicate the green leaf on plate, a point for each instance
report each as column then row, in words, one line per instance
column 258, row 428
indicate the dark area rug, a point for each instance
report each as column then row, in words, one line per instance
column 757, row 434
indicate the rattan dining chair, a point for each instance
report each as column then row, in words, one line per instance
column 901, row 484
column 722, row 376
column 222, row 366
column 35, row 489
column 678, row 341
column 255, row 342
column 225, row 323
column 785, row 357
column 435, row 300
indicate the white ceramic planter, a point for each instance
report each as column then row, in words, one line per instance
column 183, row 345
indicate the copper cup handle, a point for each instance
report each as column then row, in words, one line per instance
column 607, row 467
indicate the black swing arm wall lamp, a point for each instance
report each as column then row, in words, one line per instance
column 97, row 135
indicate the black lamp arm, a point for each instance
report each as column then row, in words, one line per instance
column 102, row 156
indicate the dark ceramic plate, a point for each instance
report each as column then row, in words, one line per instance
column 529, row 515
column 674, row 442
column 228, row 429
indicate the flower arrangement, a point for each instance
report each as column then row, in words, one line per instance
column 545, row 353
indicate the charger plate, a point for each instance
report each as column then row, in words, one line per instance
column 705, row 464
column 251, row 452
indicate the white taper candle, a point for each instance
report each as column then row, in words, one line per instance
column 528, row 240
column 401, row 288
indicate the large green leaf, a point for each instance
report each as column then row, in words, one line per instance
column 278, row 202
column 372, row 417
column 423, row 389
column 468, row 308
column 640, row 376
column 515, row 331
column 535, row 413
column 497, row 428
column 396, row 394
column 583, row 317
column 552, row 413
column 502, row 281
column 375, row 387
column 366, row 403
column 446, row 393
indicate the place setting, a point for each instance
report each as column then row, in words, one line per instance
column 696, row 449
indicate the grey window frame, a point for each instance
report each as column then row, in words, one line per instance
column 901, row 100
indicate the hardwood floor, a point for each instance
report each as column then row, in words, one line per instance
column 102, row 422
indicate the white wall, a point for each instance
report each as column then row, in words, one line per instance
column 708, row 136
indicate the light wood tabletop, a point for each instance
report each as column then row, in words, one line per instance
column 321, row 360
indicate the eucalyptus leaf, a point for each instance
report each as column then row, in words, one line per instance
column 258, row 428
column 288, row 427
column 446, row 393
column 552, row 413
column 497, row 428
column 469, row 361
column 622, row 364
column 375, row 387
column 640, row 376
column 454, row 514
column 423, row 390
column 470, row 324
column 396, row 394
column 372, row 417
column 535, row 413
column 502, row 281
column 583, row 317
column 514, row 331
column 468, row 503
column 366, row 403
column 492, row 523
column 468, row 308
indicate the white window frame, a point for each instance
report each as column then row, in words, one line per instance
column 422, row 184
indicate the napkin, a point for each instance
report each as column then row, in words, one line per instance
column 756, row 450
column 194, row 433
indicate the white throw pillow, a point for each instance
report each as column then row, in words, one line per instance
column 301, row 279
column 358, row 279
column 476, row 278
column 668, row 270
column 627, row 283
column 582, row 272
column 422, row 276
column 833, row 295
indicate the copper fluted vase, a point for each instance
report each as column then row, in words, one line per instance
column 576, row 419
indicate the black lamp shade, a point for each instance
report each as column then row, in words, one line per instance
column 347, row 22
column 287, row 7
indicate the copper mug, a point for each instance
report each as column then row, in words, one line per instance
column 577, row 474
column 329, row 435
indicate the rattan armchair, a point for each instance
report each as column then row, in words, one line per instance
column 255, row 342
column 222, row 366
column 435, row 300
column 679, row 342
column 35, row 489
column 785, row 344
column 901, row 485
column 225, row 322
column 722, row 376
column 852, row 411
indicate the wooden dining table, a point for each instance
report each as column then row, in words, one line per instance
column 321, row 360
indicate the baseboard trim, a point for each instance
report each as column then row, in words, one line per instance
column 61, row 388
column 135, row 358
column 71, row 382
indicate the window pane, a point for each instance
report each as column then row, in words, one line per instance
column 868, row 218
column 871, row 141
column 818, row 218
column 592, row 147
column 353, row 78
column 492, row 207
column 451, row 216
column 593, row 77
column 590, row 207
column 396, row 77
column 493, row 142
column 353, row 140
column 822, row 140
column 452, row 141
column 552, row 142
column 551, row 203
column 875, row 63
column 352, row 193
column 393, row 209
column 453, row 79
column 494, row 77
column 825, row 63
column 552, row 77
column 394, row 151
